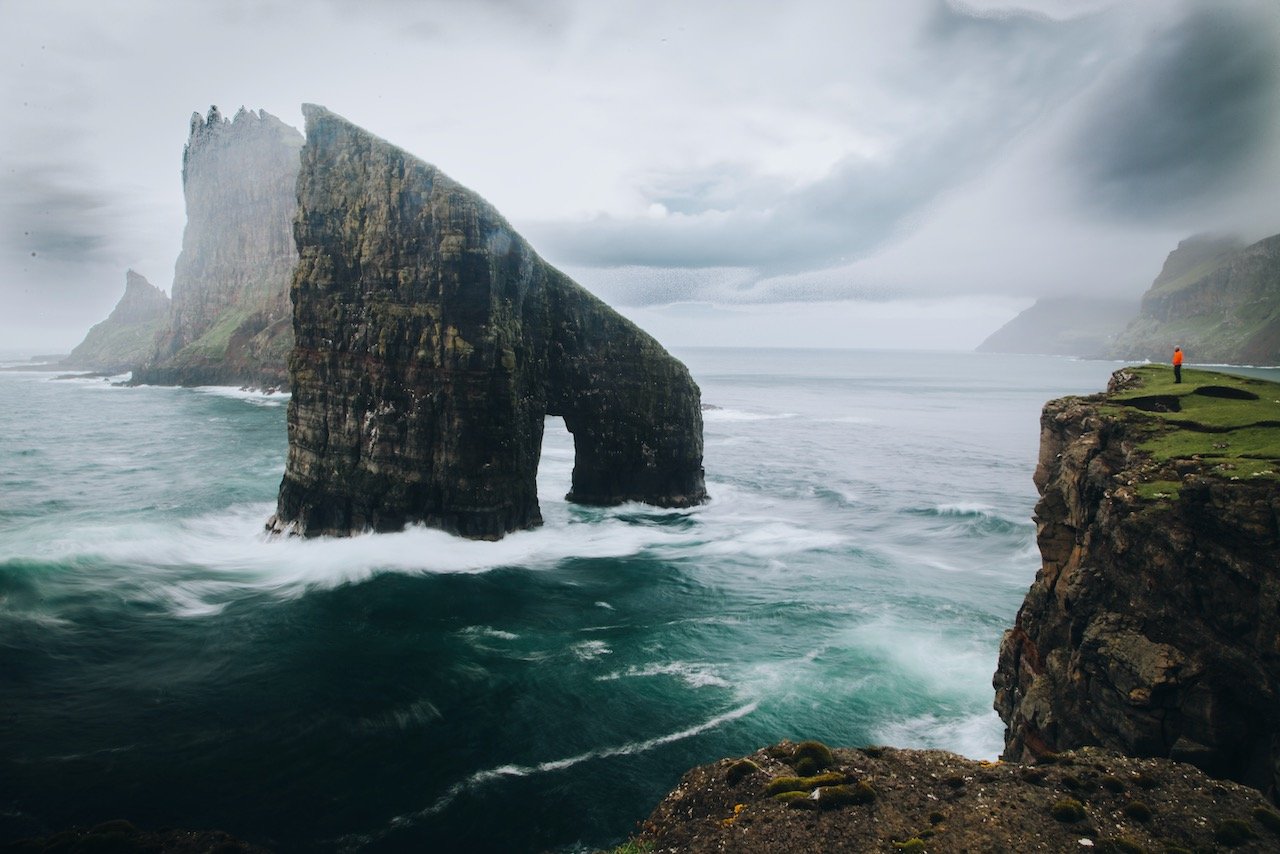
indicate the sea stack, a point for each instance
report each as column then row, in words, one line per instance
column 430, row 344
column 230, row 322
column 1152, row 627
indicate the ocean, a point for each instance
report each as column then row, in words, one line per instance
column 867, row 541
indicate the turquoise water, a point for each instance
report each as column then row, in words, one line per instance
column 868, row 540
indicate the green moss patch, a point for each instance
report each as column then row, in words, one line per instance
column 632, row 846
column 739, row 770
column 1232, row 832
column 1269, row 819
column 1067, row 810
column 803, row 784
column 1113, row 784
column 834, row 797
column 815, row 755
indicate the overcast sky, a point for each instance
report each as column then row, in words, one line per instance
column 860, row 173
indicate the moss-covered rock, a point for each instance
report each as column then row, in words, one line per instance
column 998, row 809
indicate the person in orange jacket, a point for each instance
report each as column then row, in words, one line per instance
column 1177, row 364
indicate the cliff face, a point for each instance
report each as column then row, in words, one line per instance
column 128, row 336
column 1152, row 626
column 431, row 343
column 1218, row 300
column 230, row 321
column 1066, row 326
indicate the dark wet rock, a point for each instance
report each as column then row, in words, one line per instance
column 1152, row 626
column 128, row 336
column 230, row 321
column 122, row 837
column 885, row 799
column 432, row 342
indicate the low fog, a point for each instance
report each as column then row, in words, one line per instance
column 825, row 174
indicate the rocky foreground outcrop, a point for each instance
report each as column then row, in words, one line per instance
column 806, row 798
column 230, row 322
column 128, row 336
column 1153, row 626
column 431, row 344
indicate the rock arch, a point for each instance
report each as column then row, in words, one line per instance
column 430, row 343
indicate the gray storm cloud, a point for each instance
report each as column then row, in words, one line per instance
column 737, row 153
column 1181, row 132
column 1193, row 115
column 982, row 80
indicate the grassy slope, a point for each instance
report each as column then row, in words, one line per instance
column 1231, row 438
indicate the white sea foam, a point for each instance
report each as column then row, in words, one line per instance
column 964, row 508
column 693, row 674
column 589, row 650
column 489, row 632
column 977, row 736
column 92, row 380
column 489, row 775
column 257, row 397
column 772, row 538
column 234, row 555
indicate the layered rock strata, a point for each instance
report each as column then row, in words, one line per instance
column 1152, row 626
column 230, row 322
column 128, row 336
column 431, row 342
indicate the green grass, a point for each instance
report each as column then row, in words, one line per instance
column 1228, row 437
column 631, row 846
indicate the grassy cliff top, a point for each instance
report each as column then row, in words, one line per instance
column 1229, row 425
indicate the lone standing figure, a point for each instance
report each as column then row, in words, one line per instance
column 1177, row 364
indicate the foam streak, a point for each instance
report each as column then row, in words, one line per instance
column 481, row 778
